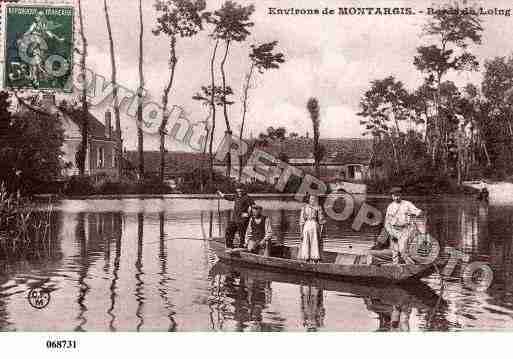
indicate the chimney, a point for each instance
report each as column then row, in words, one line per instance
column 108, row 127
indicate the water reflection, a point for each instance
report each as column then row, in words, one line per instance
column 312, row 307
column 118, row 225
column 240, row 299
column 164, row 277
column 139, row 286
column 145, row 265
column 82, row 273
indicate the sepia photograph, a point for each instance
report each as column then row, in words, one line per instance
column 255, row 166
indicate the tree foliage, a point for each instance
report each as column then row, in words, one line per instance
column 31, row 147
column 182, row 18
column 453, row 32
column 231, row 22
column 263, row 57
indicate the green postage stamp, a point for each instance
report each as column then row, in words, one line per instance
column 38, row 47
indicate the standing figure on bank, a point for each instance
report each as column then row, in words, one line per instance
column 240, row 216
column 311, row 224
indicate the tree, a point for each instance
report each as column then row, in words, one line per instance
column 497, row 88
column 262, row 58
column 140, row 91
column 30, row 154
column 231, row 23
column 117, row 116
column 178, row 19
column 314, row 111
column 422, row 103
column 271, row 134
column 217, row 97
column 6, row 170
column 81, row 155
column 212, row 103
column 384, row 106
column 453, row 32
column 475, row 111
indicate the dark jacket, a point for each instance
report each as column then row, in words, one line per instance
column 242, row 205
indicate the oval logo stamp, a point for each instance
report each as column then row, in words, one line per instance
column 39, row 297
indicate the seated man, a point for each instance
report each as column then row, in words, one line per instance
column 259, row 233
column 396, row 231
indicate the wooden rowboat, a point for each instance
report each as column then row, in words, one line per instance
column 332, row 265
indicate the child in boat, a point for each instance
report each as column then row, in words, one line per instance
column 311, row 223
column 259, row 232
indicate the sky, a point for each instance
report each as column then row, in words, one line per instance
column 333, row 58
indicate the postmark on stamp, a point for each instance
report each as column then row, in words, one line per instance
column 38, row 47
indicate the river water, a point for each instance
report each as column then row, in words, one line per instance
column 144, row 265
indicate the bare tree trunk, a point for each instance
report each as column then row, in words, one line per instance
column 437, row 134
column 485, row 149
column 461, row 160
column 213, row 104
column 244, row 111
column 165, row 101
column 85, row 110
column 396, row 155
column 316, row 154
column 119, row 141
column 204, row 151
column 228, row 131
column 140, row 137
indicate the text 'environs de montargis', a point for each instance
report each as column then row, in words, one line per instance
column 387, row 11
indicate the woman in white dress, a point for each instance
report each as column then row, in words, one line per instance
column 311, row 223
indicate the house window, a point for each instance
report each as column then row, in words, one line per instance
column 101, row 158
column 351, row 170
column 113, row 158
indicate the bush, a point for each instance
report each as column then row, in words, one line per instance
column 103, row 185
column 192, row 183
column 79, row 186
column 419, row 184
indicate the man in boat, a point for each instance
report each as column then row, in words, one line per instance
column 398, row 221
column 397, row 229
column 240, row 215
column 259, row 232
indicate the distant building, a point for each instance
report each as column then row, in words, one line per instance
column 101, row 145
column 177, row 164
column 344, row 159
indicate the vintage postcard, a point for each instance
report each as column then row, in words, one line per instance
column 243, row 165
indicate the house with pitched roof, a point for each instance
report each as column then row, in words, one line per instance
column 101, row 145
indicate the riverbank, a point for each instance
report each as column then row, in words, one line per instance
column 286, row 196
column 501, row 192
